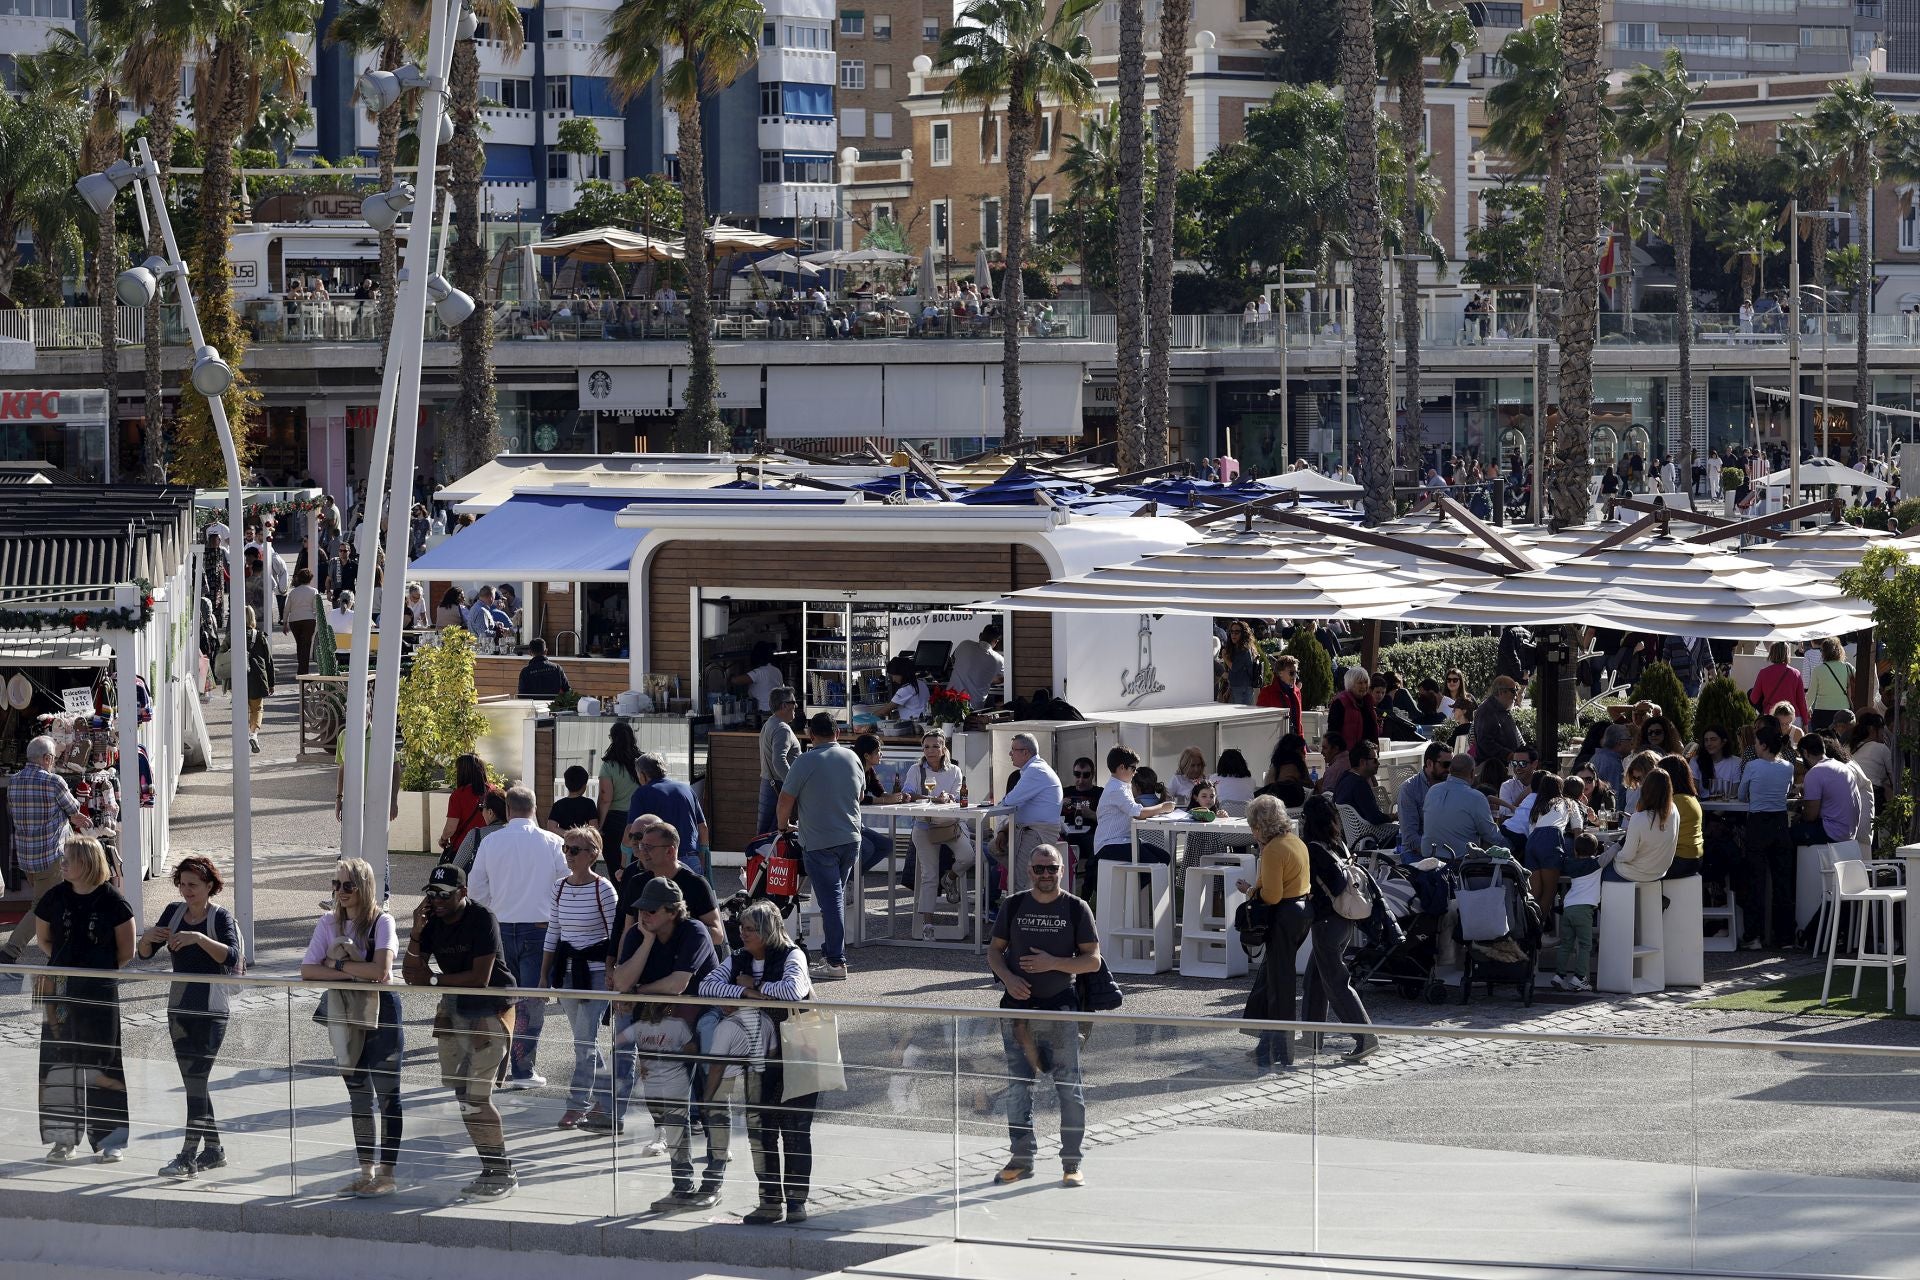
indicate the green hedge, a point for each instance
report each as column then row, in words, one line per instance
column 1417, row 660
column 1316, row 667
column 1867, row 517
column 1659, row 684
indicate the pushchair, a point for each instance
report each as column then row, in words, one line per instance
column 1408, row 964
column 1498, row 925
column 774, row 871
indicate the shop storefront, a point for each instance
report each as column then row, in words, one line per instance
column 1629, row 416
column 65, row 428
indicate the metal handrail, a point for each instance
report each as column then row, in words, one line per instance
column 1117, row 1018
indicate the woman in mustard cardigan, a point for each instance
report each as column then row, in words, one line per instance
column 1283, row 884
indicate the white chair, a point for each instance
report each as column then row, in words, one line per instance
column 1682, row 946
column 1135, row 916
column 1630, row 960
column 1813, row 885
column 1851, row 884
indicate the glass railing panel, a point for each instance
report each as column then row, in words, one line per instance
column 1188, row 1142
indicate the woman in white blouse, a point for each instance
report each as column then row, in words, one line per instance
column 1653, row 833
column 1190, row 772
column 583, row 911
column 911, row 697
column 1716, row 764
column 934, row 777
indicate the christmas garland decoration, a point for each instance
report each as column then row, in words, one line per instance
column 62, row 619
column 204, row 516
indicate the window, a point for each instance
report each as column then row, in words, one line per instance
column 515, row 93
column 797, row 101
column 489, row 85
column 559, row 165
column 1042, row 222
column 930, row 30
column 769, row 34
column 1824, row 37
column 882, row 75
column 883, row 124
column 559, row 93
column 989, row 139
column 853, row 73
column 990, row 224
column 882, row 213
column 576, row 25
column 942, row 231
column 806, row 167
column 942, row 142
column 1493, row 15
column 553, row 32
column 601, row 167
column 882, row 26
column 1044, row 129
column 1910, row 223
column 1864, row 43
column 853, row 122
column 770, row 167
column 853, row 22
column 770, row 100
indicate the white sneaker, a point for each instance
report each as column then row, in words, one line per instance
column 1557, row 982
column 1578, row 984
column 926, row 933
column 654, row 1148
column 826, row 972
column 514, row 1083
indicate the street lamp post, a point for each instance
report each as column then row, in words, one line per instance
column 211, row 377
column 1306, row 281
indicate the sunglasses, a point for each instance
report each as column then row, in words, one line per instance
column 579, row 848
column 345, row 886
column 1083, row 773
column 439, row 894
column 1044, row 871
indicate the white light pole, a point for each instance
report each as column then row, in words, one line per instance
column 1303, row 280
column 369, row 755
column 211, row 377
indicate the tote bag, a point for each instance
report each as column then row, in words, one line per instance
column 810, row 1054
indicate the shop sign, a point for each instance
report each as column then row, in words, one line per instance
column 647, row 387
column 1141, row 682
column 53, row 406
column 77, row 702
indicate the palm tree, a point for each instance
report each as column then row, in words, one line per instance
column 1855, row 122
column 1360, row 120
column 153, row 36
column 39, row 138
column 1809, row 166
column 1580, row 123
column 242, row 47
column 1625, row 214
column 1408, row 33
column 1018, row 51
column 82, row 71
column 1176, row 17
column 1656, row 113
column 695, row 48
column 392, row 30
column 1526, row 122
column 1746, row 233
column 1131, row 425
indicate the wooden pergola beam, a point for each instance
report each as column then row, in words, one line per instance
column 1762, row 526
column 1482, row 530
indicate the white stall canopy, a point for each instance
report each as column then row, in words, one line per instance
column 1049, row 400
column 811, row 401
column 938, row 401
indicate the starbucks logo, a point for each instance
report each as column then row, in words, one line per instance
column 599, row 384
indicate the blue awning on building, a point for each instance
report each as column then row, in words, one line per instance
column 538, row 537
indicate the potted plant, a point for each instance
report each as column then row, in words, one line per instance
column 440, row 720
column 1731, row 478
column 948, row 708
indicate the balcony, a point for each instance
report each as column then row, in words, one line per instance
column 798, row 66
column 799, row 200
column 788, row 133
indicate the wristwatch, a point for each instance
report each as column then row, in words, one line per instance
column 340, row 966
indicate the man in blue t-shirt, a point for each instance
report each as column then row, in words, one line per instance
column 674, row 803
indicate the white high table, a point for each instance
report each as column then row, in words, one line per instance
column 921, row 811
column 1177, row 826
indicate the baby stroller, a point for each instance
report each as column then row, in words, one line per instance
column 1407, row 964
column 1498, row 926
column 774, row 871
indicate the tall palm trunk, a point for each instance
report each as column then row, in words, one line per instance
column 1862, row 291
column 1580, row 33
column 1132, row 425
column 1176, row 17
column 699, row 426
column 1012, row 294
column 1553, row 205
column 392, row 54
column 1680, row 222
column 154, row 440
column 476, row 418
column 1413, row 110
column 1817, row 236
column 1374, row 435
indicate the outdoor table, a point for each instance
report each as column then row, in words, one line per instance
column 1179, row 825
column 975, row 815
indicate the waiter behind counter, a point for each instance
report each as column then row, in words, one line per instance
column 975, row 667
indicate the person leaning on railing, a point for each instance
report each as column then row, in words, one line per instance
column 83, row 923
column 202, row 938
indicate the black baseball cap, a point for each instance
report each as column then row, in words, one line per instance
column 447, row 876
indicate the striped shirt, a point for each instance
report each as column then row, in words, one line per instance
column 583, row 914
column 40, row 803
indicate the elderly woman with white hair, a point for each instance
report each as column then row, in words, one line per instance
column 1280, row 898
column 1352, row 714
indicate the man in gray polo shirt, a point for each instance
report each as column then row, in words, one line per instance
column 778, row 749
column 824, row 785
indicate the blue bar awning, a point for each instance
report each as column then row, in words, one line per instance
column 538, row 537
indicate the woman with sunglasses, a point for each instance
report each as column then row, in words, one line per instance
column 580, row 934
column 355, row 942
column 1453, row 690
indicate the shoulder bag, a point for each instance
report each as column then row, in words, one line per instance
column 810, row 1059
column 1097, row 992
column 349, row 1015
column 1355, row 902
column 940, row 831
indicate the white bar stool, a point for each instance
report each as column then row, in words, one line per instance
column 1135, row 916
column 1852, row 885
column 1631, row 938
column 1208, row 946
column 1682, row 946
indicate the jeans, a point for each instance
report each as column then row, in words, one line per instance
column 521, row 945
column 583, row 1017
column 875, row 846
column 378, row 1072
column 769, row 805
column 1576, row 940
column 780, row 1135
column 1054, row 1046
column 1241, row 697
column 828, row 870
column 196, row 1043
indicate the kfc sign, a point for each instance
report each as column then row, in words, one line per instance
column 53, row 406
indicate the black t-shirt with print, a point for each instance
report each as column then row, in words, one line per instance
column 693, row 886
column 81, row 925
column 455, row 944
column 689, row 950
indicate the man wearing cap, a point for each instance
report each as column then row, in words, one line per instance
column 778, row 750
column 461, row 939
column 666, row 953
column 514, row 871
column 824, row 787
